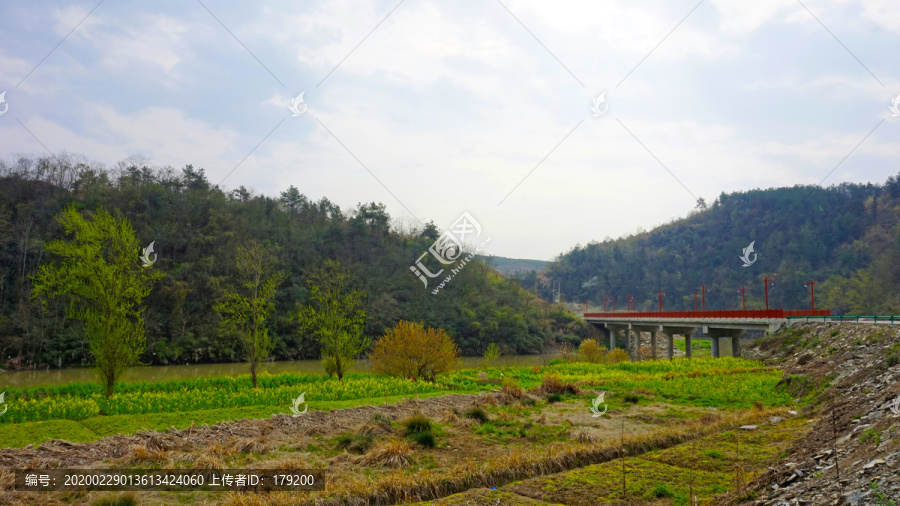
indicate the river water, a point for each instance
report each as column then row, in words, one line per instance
column 21, row 379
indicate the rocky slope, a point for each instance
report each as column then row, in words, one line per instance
column 852, row 454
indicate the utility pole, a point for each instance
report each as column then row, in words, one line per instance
column 704, row 290
column 766, row 283
column 743, row 299
column 660, row 301
column 812, row 294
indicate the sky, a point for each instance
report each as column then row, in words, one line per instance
column 552, row 123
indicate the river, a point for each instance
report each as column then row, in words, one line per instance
column 22, row 379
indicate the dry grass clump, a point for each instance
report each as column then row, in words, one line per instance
column 141, row 454
column 514, row 391
column 126, row 499
column 259, row 444
column 553, row 385
column 394, row 453
column 292, row 462
column 214, row 457
column 583, row 436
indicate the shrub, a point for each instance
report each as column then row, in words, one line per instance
column 491, row 354
column 329, row 363
column 425, row 439
column 617, row 355
column 478, row 414
column 412, row 350
column 892, row 360
column 553, row 385
column 355, row 443
column 128, row 499
column 591, row 351
column 554, row 398
column 660, row 491
column 416, row 423
column 632, row 398
column 513, row 390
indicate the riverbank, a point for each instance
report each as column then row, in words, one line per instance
column 159, row 373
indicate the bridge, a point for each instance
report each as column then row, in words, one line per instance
column 722, row 328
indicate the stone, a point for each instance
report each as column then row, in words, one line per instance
column 749, row 427
column 873, row 463
column 776, row 419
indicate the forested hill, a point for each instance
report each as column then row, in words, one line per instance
column 197, row 229
column 846, row 238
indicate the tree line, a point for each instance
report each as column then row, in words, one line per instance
column 201, row 232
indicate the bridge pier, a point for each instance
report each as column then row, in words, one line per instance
column 653, row 345
column 671, row 351
column 725, row 341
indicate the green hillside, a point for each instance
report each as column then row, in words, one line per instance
column 197, row 228
column 845, row 237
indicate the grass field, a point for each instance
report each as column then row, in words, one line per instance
column 78, row 412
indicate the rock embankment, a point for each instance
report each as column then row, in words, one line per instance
column 852, row 454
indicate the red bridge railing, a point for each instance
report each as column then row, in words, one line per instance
column 753, row 313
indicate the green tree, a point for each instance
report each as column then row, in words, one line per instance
column 104, row 283
column 245, row 308
column 491, row 354
column 335, row 317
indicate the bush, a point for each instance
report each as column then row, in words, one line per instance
column 660, row 491
column 425, row 439
column 416, row 423
column 411, row 350
column 491, row 354
column 554, row 398
column 513, row 390
column 617, row 355
column 632, row 398
column 892, row 360
column 553, row 385
column 329, row 363
column 128, row 499
column 478, row 414
column 591, row 351
column 355, row 443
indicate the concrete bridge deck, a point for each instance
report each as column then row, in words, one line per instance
column 713, row 325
